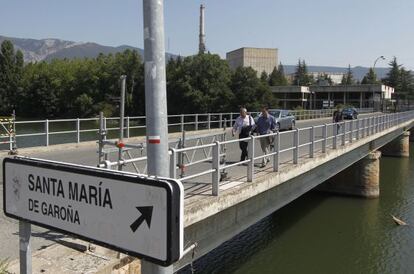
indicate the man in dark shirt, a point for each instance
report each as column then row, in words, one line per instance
column 266, row 124
column 337, row 118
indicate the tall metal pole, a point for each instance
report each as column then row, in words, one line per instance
column 122, row 108
column 376, row 60
column 155, row 102
column 25, row 231
column 14, row 146
column 102, row 135
column 121, row 122
column 373, row 70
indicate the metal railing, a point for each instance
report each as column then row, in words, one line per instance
column 81, row 128
column 188, row 157
column 85, row 129
column 8, row 132
column 305, row 144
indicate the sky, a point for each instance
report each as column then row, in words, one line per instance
column 322, row 32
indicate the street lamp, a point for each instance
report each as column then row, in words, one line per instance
column 382, row 97
column 376, row 60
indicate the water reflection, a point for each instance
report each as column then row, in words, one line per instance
column 322, row 233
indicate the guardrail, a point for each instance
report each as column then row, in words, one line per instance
column 85, row 129
column 8, row 132
column 107, row 147
column 330, row 136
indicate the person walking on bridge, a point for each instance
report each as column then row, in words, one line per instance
column 243, row 126
column 266, row 124
column 337, row 118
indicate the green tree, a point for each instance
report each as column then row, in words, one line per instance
column 249, row 90
column 302, row 77
column 11, row 65
column 84, row 87
column 392, row 78
column 198, row 84
column 324, row 79
column 401, row 80
column 41, row 98
column 84, row 104
column 130, row 64
column 370, row 77
column 264, row 76
column 348, row 78
column 406, row 84
column 277, row 77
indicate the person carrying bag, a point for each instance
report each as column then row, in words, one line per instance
column 243, row 126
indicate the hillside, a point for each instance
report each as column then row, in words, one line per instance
column 47, row 49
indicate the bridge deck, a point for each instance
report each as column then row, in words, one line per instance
column 197, row 190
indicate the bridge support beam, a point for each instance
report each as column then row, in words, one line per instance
column 360, row 179
column 412, row 135
column 400, row 147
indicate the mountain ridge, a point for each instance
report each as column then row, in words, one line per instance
column 35, row 50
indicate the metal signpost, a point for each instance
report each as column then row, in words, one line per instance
column 121, row 121
column 123, row 211
column 155, row 102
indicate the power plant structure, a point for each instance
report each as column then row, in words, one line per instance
column 202, row 36
column 259, row 59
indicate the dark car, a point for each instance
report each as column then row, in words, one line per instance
column 350, row 113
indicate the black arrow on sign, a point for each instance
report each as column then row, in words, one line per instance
column 146, row 215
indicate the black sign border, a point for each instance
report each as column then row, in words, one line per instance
column 173, row 203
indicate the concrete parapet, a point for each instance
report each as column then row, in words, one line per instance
column 360, row 179
column 400, row 147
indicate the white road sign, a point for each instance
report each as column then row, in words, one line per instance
column 127, row 212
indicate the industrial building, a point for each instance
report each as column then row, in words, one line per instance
column 202, row 33
column 292, row 96
column 260, row 59
column 361, row 96
column 375, row 96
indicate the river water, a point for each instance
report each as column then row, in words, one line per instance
column 323, row 233
column 62, row 132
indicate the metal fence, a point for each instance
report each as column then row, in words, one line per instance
column 7, row 132
column 58, row 131
column 134, row 154
column 300, row 143
column 330, row 137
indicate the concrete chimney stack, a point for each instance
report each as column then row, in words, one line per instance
column 202, row 37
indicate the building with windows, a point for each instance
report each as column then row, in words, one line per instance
column 360, row 96
column 260, row 59
column 290, row 97
column 375, row 96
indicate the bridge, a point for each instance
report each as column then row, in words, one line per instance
column 224, row 196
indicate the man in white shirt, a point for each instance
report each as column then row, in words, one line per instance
column 243, row 126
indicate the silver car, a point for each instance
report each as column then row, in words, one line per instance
column 284, row 118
